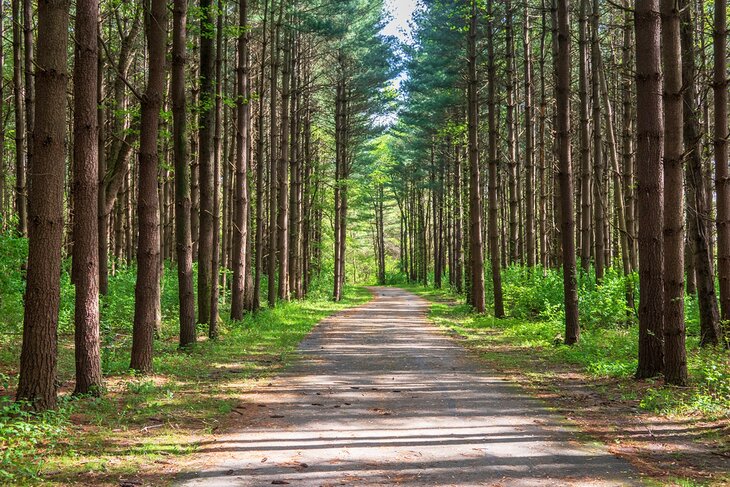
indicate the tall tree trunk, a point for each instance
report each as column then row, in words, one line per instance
column 21, row 202
column 585, row 144
column 37, row 382
column 217, row 146
column 85, row 173
column 649, row 153
column 458, row 223
column 273, row 157
column 722, row 174
column 562, row 92
column 260, row 159
column 627, row 135
column 29, row 92
column 240, row 224
column 476, row 246
column 206, row 122
column 675, row 355
column 183, row 227
column 147, row 289
column 598, row 193
column 493, row 229
column 698, row 211
column 529, row 146
column 283, row 171
column 513, row 172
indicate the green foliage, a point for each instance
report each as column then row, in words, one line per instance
column 609, row 336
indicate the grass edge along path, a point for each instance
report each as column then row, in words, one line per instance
column 147, row 425
column 645, row 422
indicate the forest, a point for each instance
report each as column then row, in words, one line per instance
column 187, row 188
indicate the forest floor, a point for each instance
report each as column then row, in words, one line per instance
column 381, row 396
column 665, row 447
column 143, row 427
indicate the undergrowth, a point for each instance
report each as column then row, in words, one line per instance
column 609, row 335
column 141, row 419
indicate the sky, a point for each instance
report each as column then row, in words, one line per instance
column 401, row 11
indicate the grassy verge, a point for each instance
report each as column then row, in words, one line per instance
column 144, row 424
column 677, row 435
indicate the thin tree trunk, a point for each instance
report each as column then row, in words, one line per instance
column 585, row 144
column 206, row 121
column 529, row 146
column 283, row 171
column 476, row 247
column 147, row 289
column 274, row 161
column 240, row 225
column 722, row 174
column 562, row 91
column 598, row 192
column 698, row 212
column 675, row 355
column 21, row 202
column 183, row 227
column 493, row 229
column 85, row 173
column 38, row 362
column 649, row 152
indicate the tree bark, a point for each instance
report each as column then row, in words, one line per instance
column 698, row 211
column 183, row 227
column 650, row 180
column 21, row 202
column 240, row 200
column 476, row 246
column 38, row 362
column 675, row 355
column 722, row 174
column 147, row 289
column 598, row 193
column 585, row 144
column 206, row 121
column 562, row 92
column 493, row 229
column 85, row 173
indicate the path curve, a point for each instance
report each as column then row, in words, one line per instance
column 380, row 396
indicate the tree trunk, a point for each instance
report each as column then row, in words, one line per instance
column 529, row 146
column 493, row 229
column 21, row 202
column 283, row 171
column 675, row 355
column 722, row 174
column 598, row 192
column 240, row 224
column 650, row 180
column 37, row 382
column 476, row 246
column 183, row 227
column 206, row 121
column 511, row 137
column 85, row 173
column 585, row 144
column 273, row 157
column 562, row 92
column 698, row 212
column 147, row 289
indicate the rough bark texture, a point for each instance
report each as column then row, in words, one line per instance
column 85, row 172
column 698, row 211
column 585, row 144
column 206, row 121
column 240, row 196
column 529, row 146
column 493, row 229
column 476, row 245
column 37, row 383
column 147, row 289
column 722, row 174
column 598, row 186
column 183, row 227
column 565, row 176
column 21, row 202
column 675, row 355
column 650, row 180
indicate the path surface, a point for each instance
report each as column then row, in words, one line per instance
column 382, row 397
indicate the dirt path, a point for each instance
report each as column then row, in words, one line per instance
column 382, row 397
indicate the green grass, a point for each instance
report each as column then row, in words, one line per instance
column 608, row 348
column 142, row 422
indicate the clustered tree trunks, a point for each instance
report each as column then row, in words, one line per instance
column 650, row 112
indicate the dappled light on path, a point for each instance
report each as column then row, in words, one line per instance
column 381, row 397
